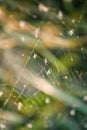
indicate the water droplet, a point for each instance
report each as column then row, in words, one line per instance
column 45, row 60
column 85, row 98
column 24, row 86
column 2, row 126
column 37, row 32
column 35, row 56
column 77, row 71
column 63, row 22
column 82, row 48
column 73, row 20
column 29, row 125
column 1, row 93
column 43, row 8
column 71, row 32
column 72, row 112
column 48, row 72
column 60, row 15
column 65, row 77
column 22, row 24
column 23, row 54
column 71, row 59
column 19, row 106
column 47, row 100
column 23, row 39
column 61, row 34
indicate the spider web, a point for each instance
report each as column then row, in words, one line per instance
column 39, row 64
